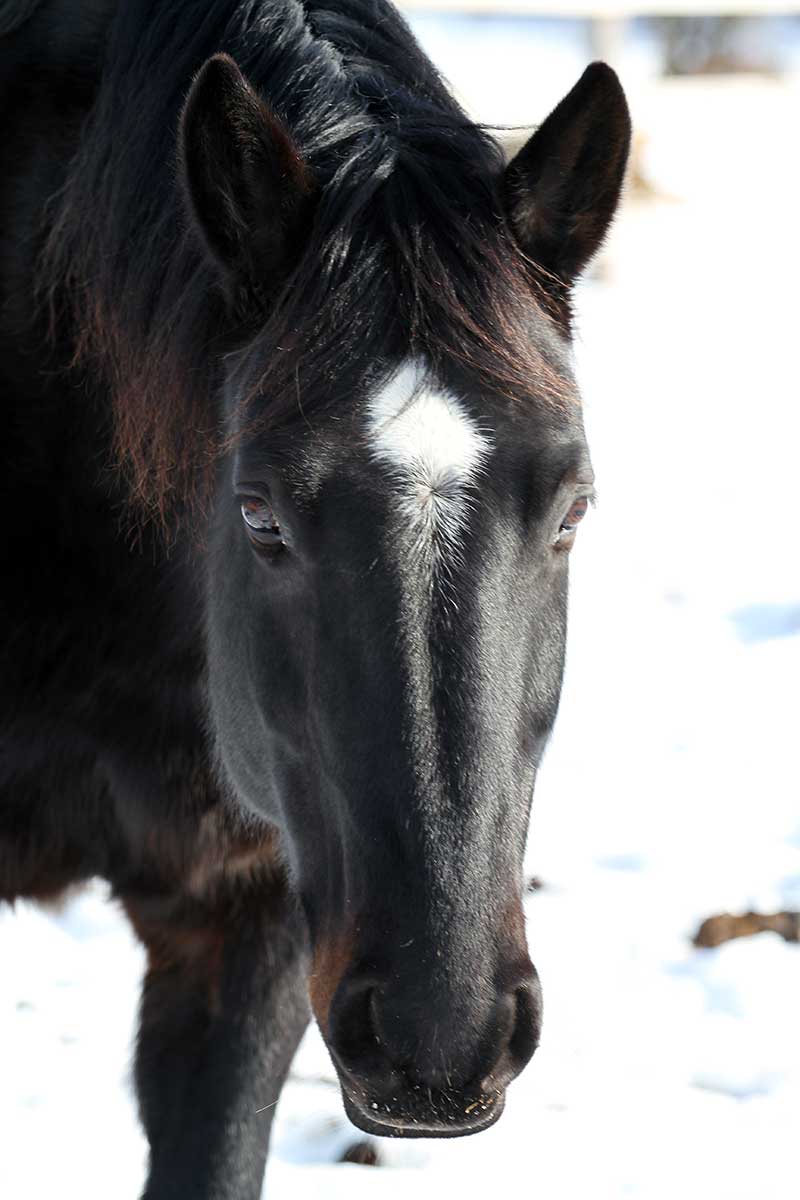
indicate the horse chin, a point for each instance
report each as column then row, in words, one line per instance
column 425, row 1114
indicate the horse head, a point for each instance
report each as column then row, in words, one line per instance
column 387, row 568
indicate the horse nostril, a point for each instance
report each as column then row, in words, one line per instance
column 527, row 1024
column 352, row 1024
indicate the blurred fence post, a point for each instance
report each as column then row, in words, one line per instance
column 607, row 34
column 606, row 37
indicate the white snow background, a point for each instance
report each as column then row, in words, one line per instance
column 670, row 791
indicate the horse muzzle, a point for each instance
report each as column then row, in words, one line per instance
column 410, row 1070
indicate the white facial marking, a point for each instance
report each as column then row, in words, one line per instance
column 434, row 451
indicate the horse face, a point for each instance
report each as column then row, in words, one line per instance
column 387, row 612
column 387, row 617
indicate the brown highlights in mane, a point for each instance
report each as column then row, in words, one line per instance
column 413, row 273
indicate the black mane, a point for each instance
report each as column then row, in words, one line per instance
column 408, row 249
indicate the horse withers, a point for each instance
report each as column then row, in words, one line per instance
column 293, row 460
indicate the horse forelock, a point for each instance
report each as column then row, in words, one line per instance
column 408, row 253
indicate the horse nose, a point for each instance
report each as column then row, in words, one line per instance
column 388, row 1041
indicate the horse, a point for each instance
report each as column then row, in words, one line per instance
column 293, row 460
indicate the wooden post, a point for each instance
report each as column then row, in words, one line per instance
column 607, row 34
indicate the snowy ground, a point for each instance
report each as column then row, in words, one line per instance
column 671, row 788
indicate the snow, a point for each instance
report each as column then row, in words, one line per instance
column 670, row 791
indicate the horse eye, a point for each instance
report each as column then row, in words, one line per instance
column 577, row 512
column 261, row 522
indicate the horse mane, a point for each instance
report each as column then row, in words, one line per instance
column 407, row 249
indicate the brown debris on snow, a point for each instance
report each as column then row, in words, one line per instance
column 724, row 927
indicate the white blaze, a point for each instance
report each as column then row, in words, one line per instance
column 434, row 451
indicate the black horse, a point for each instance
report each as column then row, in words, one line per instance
column 292, row 459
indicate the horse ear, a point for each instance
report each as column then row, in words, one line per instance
column 562, row 188
column 246, row 184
